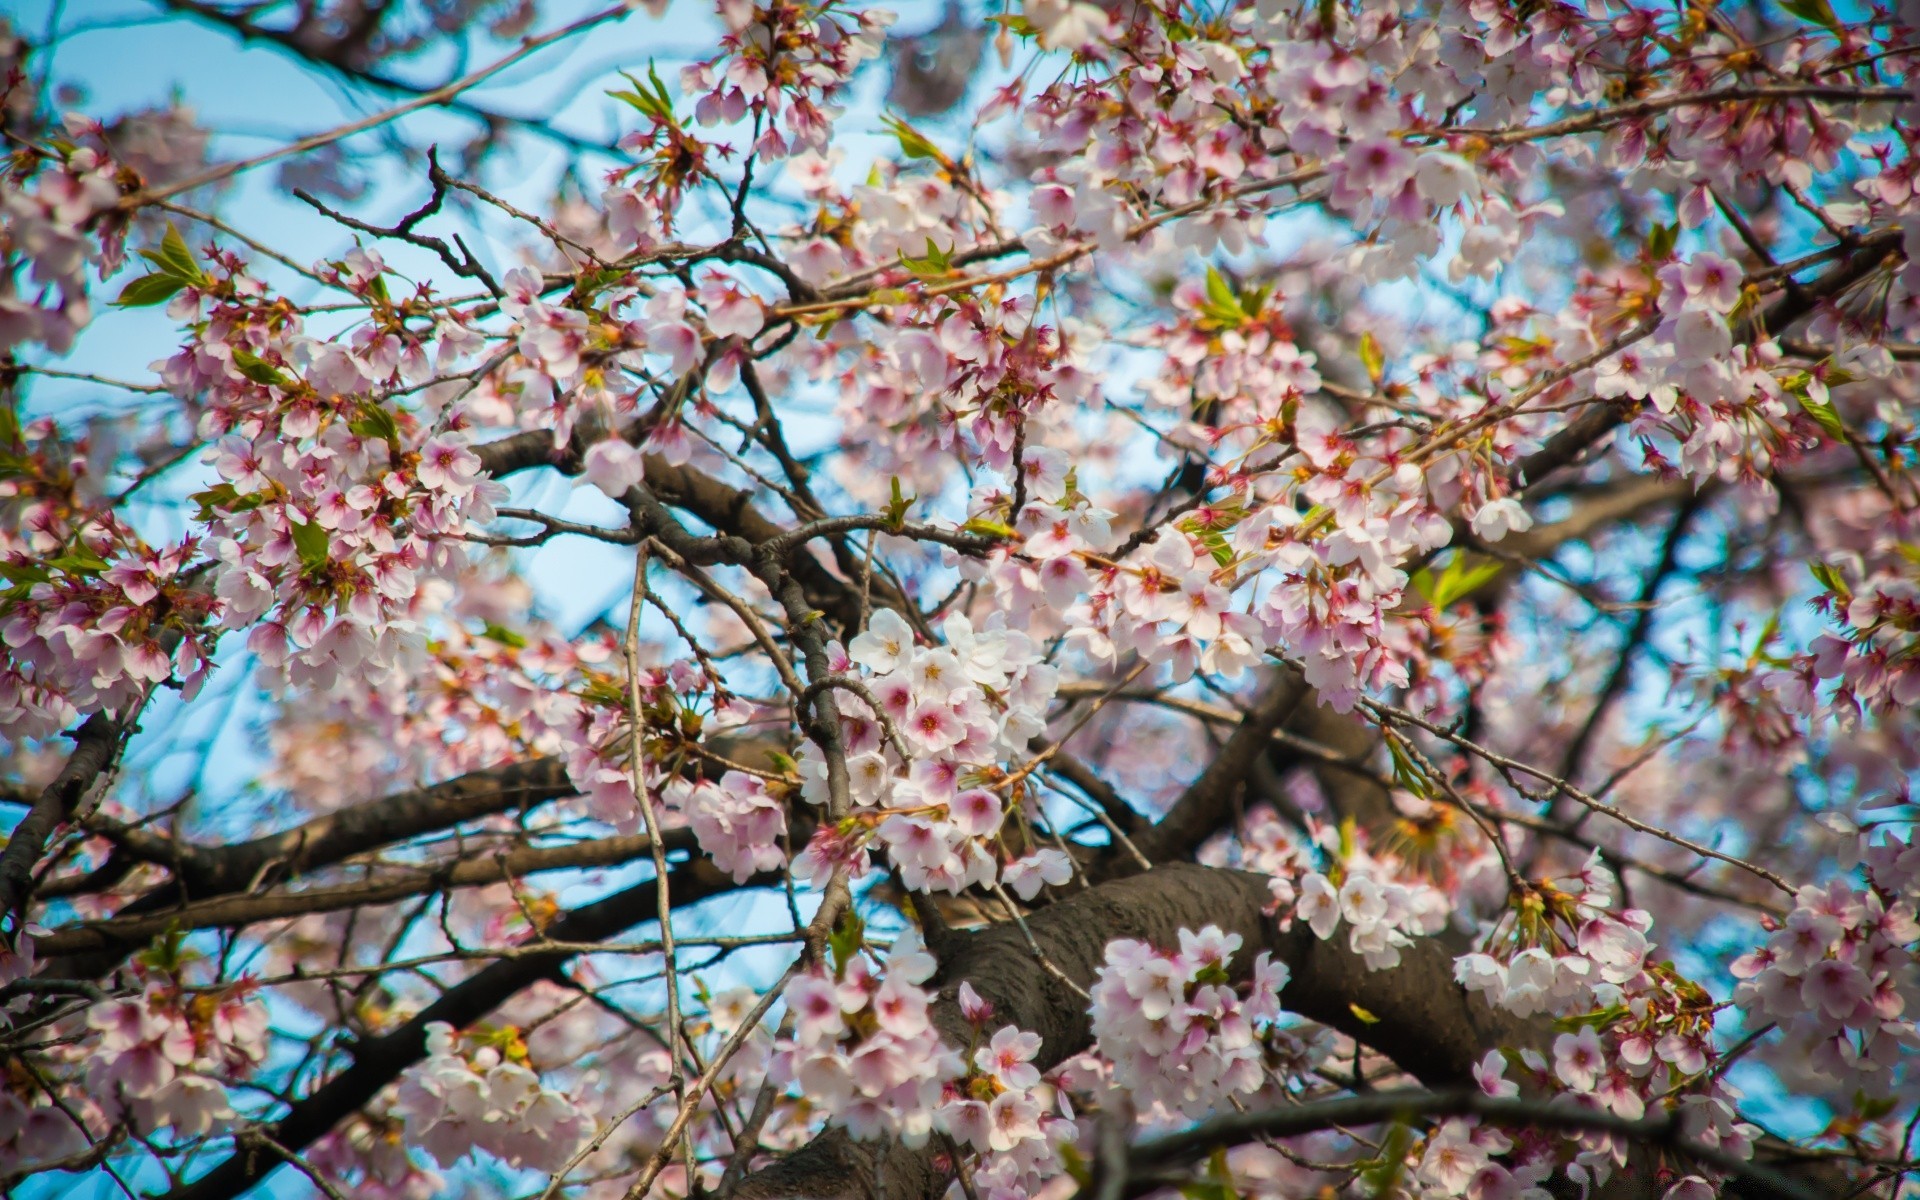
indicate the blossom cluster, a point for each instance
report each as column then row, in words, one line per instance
column 1004, row 1110
column 166, row 1056
column 61, row 220
column 463, row 1098
column 864, row 1049
column 1383, row 905
column 1181, row 1037
column 1561, row 948
column 1838, row 974
column 946, row 714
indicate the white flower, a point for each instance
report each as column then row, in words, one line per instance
column 1497, row 518
column 614, row 465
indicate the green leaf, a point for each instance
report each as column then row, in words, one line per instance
column 846, row 940
column 1218, row 1184
column 214, row 500
column 1222, row 304
column 260, row 370
column 505, row 637
column 1383, row 1178
column 1216, row 544
column 650, row 98
column 1372, row 358
column 898, row 504
column 1406, row 774
column 79, row 561
column 1829, row 578
column 1823, row 416
column 989, row 528
column 168, row 952
column 173, row 258
column 1872, row 1108
column 935, row 264
column 659, row 89
column 1819, row 12
column 375, row 422
column 25, row 572
column 1461, row 579
column 1660, row 241
column 913, row 143
column 149, row 290
column 1075, row 1165
column 311, row 543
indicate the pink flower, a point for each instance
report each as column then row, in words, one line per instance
column 1012, row 1118
column 933, row 727
column 1009, row 1058
column 975, row 1008
column 1834, row 987
column 976, row 812
column 815, row 1003
column 731, row 310
column 1578, row 1058
column 448, row 466
column 1491, row 1074
column 1026, row 876
column 614, row 465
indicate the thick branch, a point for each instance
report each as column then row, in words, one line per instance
column 1663, row 1132
column 239, row 910
column 1207, row 803
column 93, row 751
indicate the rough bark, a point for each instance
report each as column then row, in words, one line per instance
column 94, row 744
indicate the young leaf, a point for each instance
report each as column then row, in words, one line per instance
column 1823, row 416
column 149, row 290
column 1457, row 582
column 1371, row 358
column 1818, row 12
column 1827, row 577
column 505, row 637
column 933, row 265
column 846, row 940
column 898, row 504
column 375, row 421
column 260, row 370
column 174, row 258
column 1660, row 241
column 310, row 541
column 913, row 143
column 1222, row 304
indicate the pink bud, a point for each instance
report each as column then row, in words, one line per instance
column 976, row 1009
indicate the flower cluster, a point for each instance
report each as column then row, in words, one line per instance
column 34, row 1131
column 947, row 714
column 57, row 221
column 166, row 1055
column 1838, row 975
column 738, row 823
column 368, row 1158
column 1179, row 1034
column 863, row 1048
column 1383, row 905
column 1560, row 948
column 1004, row 1110
column 465, row 1097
